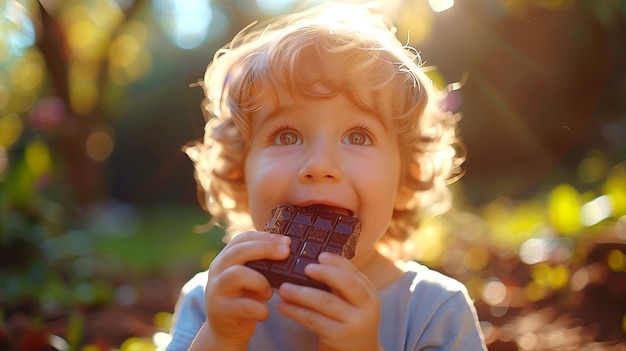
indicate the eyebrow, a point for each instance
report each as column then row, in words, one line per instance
column 281, row 109
column 271, row 114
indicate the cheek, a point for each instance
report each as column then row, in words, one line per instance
column 388, row 190
column 389, row 180
column 380, row 190
column 265, row 182
column 255, row 178
column 263, row 172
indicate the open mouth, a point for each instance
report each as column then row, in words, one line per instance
column 333, row 209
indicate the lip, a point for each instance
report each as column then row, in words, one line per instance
column 334, row 207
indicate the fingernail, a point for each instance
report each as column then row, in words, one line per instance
column 283, row 249
column 311, row 267
column 323, row 257
column 285, row 286
column 284, row 240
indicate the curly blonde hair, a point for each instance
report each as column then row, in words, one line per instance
column 316, row 54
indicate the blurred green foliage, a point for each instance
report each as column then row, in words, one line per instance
column 547, row 272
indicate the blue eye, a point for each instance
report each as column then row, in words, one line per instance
column 287, row 138
column 357, row 138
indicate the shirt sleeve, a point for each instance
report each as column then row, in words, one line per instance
column 441, row 314
column 189, row 314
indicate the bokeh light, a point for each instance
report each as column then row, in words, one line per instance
column 83, row 88
column 564, row 206
column 21, row 81
column 100, row 144
column 550, row 277
column 617, row 261
column 546, row 246
column 129, row 57
column 416, row 22
column 190, row 23
column 494, row 292
column 10, row 129
column 596, row 210
column 138, row 344
column 534, row 291
column 430, row 241
column 81, row 34
column 275, row 7
column 440, row 5
column 48, row 114
column 161, row 339
column 477, row 258
column 27, row 74
column 58, row 342
column 163, row 320
column 38, row 158
column 615, row 188
column 16, row 29
column 88, row 26
column 533, row 251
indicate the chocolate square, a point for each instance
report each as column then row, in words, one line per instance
column 313, row 230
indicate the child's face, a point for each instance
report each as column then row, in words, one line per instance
column 323, row 151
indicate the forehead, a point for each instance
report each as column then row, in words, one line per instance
column 278, row 87
column 319, row 66
column 285, row 102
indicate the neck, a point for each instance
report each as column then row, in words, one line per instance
column 380, row 270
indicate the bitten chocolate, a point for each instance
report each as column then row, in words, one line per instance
column 313, row 230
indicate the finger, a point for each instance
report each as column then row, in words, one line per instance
column 253, row 235
column 310, row 319
column 343, row 278
column 239, row 280
column 256, row 236
column 255, row 246
column 313, row 299
column 241, row 308
column 337, row 261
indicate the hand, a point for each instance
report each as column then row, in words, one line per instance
column 235, row 294
column 346, row 319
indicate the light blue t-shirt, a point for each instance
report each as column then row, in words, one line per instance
column 423, row 310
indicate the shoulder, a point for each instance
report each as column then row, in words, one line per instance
column 196, row 284
column 192, row 293
column 434, row 308
column 429, row 292
column 419, row 278
column 191, row 298
column 189, row 314
column 193, row 290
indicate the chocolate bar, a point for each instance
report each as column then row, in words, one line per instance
column 313, row 230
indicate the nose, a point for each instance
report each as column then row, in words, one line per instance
column 321, row 163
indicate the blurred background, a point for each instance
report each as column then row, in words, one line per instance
column 99, row 222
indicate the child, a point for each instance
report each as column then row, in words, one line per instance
column 324, row 107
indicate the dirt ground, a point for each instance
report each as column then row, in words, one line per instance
column 593, row 318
